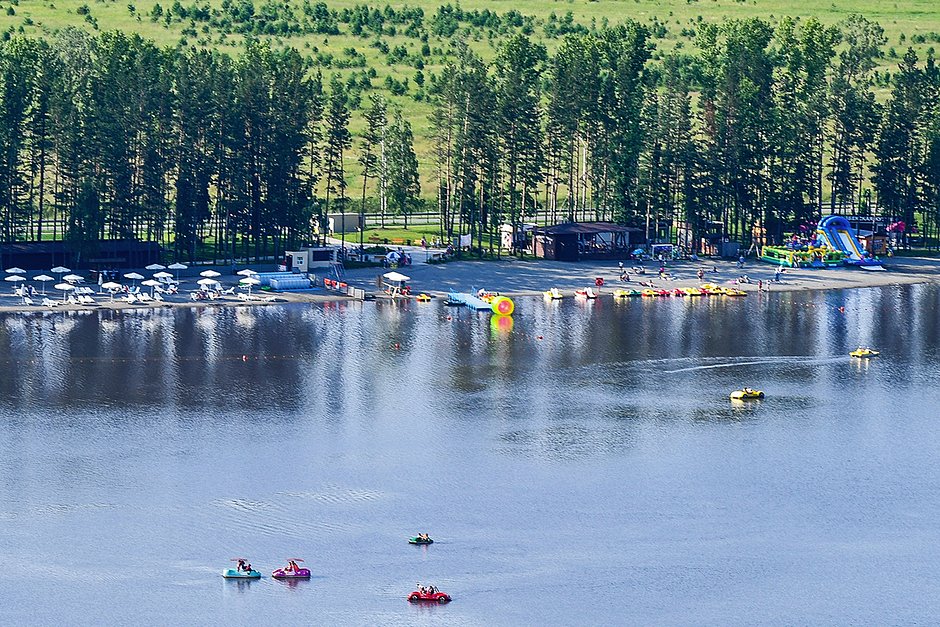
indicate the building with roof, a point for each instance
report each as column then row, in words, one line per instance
column 574, row 241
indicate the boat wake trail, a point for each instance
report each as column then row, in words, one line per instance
column 782, row 359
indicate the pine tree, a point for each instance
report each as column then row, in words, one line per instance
column 338, row 140
column 404, row 186
column 376, row 118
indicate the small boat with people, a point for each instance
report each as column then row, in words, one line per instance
column 423, row 298
column 428, row 593
column 242, row 570
column 292, row 570
column 553, row 294
column 421, row 538
column 864, row 353
column 746, row 394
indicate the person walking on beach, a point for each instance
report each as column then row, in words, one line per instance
column 740, row 262
column 700, row 274
column 777, row 272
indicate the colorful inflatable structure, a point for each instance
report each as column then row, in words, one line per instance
column 836, row 233
column 834, row 244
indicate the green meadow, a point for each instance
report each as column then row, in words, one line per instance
column 912, row 23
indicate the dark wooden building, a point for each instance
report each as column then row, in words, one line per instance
column 110, row 253
column 574, row 241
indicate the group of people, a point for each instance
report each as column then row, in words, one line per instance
column 424, row 537
column 291, row 567
column 426, row 589
column 243, row 566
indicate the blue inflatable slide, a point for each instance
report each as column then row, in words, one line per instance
column 837, row 233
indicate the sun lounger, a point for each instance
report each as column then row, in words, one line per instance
column 48, row 302
column 268, row 299
column 229, row 292
column 28, row 301
column 144, row 297
column 72, row 300
column 157, row 297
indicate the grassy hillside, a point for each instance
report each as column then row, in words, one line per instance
column 398, row 55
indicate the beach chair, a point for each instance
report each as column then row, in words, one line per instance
column 72, row 300
column 157, row 297
column 88, row 300
column 229, row 292
column 144, row 297
column 48, row 302
column 268, row 299
column 27, row 301
column 129, row 299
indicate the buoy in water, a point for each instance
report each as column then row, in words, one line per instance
column 502, row 306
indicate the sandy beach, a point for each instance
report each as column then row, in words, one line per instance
column 514, row 277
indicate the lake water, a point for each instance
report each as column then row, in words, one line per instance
column 581, row 465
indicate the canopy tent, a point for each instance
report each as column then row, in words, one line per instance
column 396, row 281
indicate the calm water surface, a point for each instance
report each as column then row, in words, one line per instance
column 582, row 465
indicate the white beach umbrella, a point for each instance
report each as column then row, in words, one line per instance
column 14, row 277
column 246, row 272
column 66, row 288
column 112, row 287
column 177, row 266
column 207, row 281
column 72, row 278
column 249, row 281
column 60, row 270
column 162, row 275
column 155, row 266
column 43, row 278
column 210, row 274
column 151, row 284
column 16, row 271
column 133, row 276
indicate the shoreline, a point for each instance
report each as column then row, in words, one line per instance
column 517, row 279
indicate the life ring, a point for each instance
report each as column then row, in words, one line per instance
column 599, row 281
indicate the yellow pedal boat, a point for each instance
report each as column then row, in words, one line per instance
column 747, row 394
column 864, row 353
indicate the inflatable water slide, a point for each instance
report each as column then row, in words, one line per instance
column 837, row 233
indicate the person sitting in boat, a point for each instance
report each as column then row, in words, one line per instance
column 242, row 566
